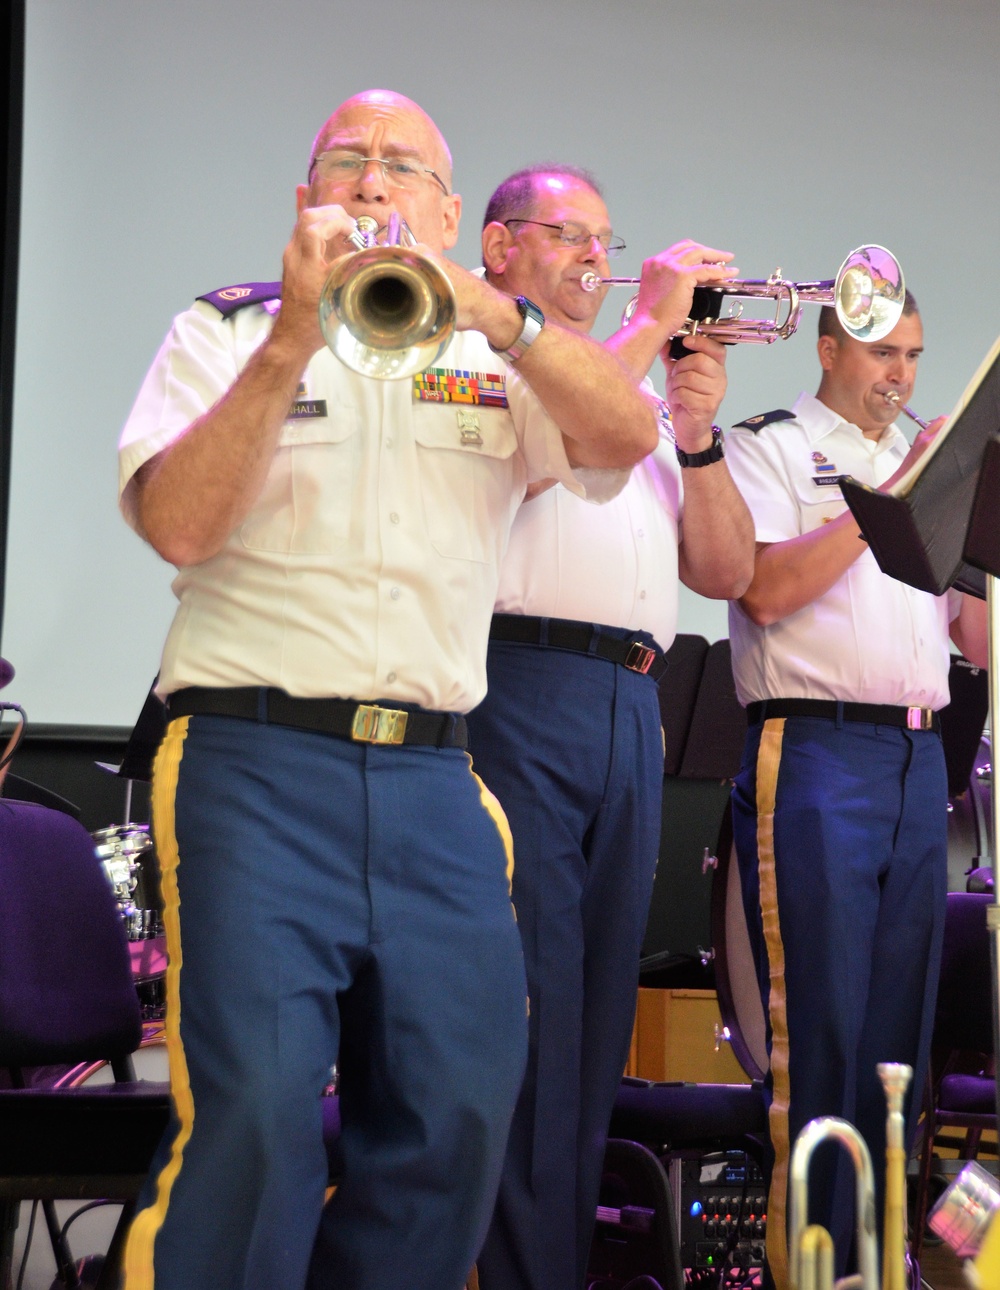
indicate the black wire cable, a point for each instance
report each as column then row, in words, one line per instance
column 27, row 1245
column 18, row 733
column 91, row 1204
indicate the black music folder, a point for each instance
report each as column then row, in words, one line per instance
column 918, row 531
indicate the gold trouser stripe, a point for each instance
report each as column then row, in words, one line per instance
column 496, row 813
column 768, row 762
column 138, row 1260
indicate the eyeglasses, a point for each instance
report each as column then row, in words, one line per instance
column 397, row 173
column 573, row 234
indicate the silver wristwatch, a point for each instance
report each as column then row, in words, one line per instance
column 534, row 321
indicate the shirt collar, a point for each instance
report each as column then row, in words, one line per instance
column 820, row 421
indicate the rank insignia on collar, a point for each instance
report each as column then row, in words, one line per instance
column 450, row 385
column 469, row 429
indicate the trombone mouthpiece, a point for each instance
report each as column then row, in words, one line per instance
column 590, row 281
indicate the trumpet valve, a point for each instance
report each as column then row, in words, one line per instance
column 363, row 236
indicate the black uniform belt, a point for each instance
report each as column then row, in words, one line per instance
column 874, row 714
column 563, row 633
column 368, row 723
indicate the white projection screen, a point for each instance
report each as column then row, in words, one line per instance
column 163, row 143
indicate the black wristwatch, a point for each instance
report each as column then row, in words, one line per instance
column 704, row 458
column 534, row 321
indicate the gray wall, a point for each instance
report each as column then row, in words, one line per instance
column 164, row 141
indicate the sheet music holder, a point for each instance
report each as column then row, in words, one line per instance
column 137, row 763
column 917, row 532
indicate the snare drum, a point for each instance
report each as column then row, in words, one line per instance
column 129, row 862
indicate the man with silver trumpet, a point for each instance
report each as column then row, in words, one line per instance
column 335, row 876
column 569, row 734
column 839, row 810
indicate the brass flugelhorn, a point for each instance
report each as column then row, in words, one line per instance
column 811, row 1247
column 867, row 294
column 387, row 310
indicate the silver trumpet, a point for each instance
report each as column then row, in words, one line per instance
column 892, row 396
column 867, row 294
column 387, row 310
column 811, row 1247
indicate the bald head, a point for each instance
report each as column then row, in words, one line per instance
column 358, row 113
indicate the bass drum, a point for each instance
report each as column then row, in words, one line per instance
column 735, row 976
column 970, row 829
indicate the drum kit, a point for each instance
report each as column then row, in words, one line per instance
column 128, row 858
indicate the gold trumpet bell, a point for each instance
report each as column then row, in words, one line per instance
column 387, row 312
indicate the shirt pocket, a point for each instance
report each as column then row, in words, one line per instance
column 819, row 503
column 466, row 487
column 306, row 504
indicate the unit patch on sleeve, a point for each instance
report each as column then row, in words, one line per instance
column 449, row 385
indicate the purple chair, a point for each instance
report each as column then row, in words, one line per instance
column 960, row 1091
column 66, row 997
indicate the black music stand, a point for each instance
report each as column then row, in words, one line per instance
column 137, row 763
column 917, row 532
column 939, row 528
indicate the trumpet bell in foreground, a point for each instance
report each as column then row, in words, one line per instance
column 387, row 312
column 869, row 292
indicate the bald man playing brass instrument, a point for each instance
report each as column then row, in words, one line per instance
column 569, row 734
column 335, row 876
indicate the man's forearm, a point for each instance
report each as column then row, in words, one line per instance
column 192, row 495
column 637, row 345
column 606, row 420
column 969, row 631
column 790, row 575
column 716, row 556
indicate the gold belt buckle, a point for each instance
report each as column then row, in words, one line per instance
column 919, row 719
column 375, row 725
column 640, row 658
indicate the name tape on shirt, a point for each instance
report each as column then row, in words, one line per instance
column 303, row 409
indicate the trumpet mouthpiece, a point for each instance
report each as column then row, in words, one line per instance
column 590, row 281
column 895, row 1077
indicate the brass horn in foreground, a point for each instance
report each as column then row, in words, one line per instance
column 387, row 311
column 867, row 294
column 811, row 1247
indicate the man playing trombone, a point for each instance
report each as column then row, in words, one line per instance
column 839, row 808
column 335, row 876
column 569, row 734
